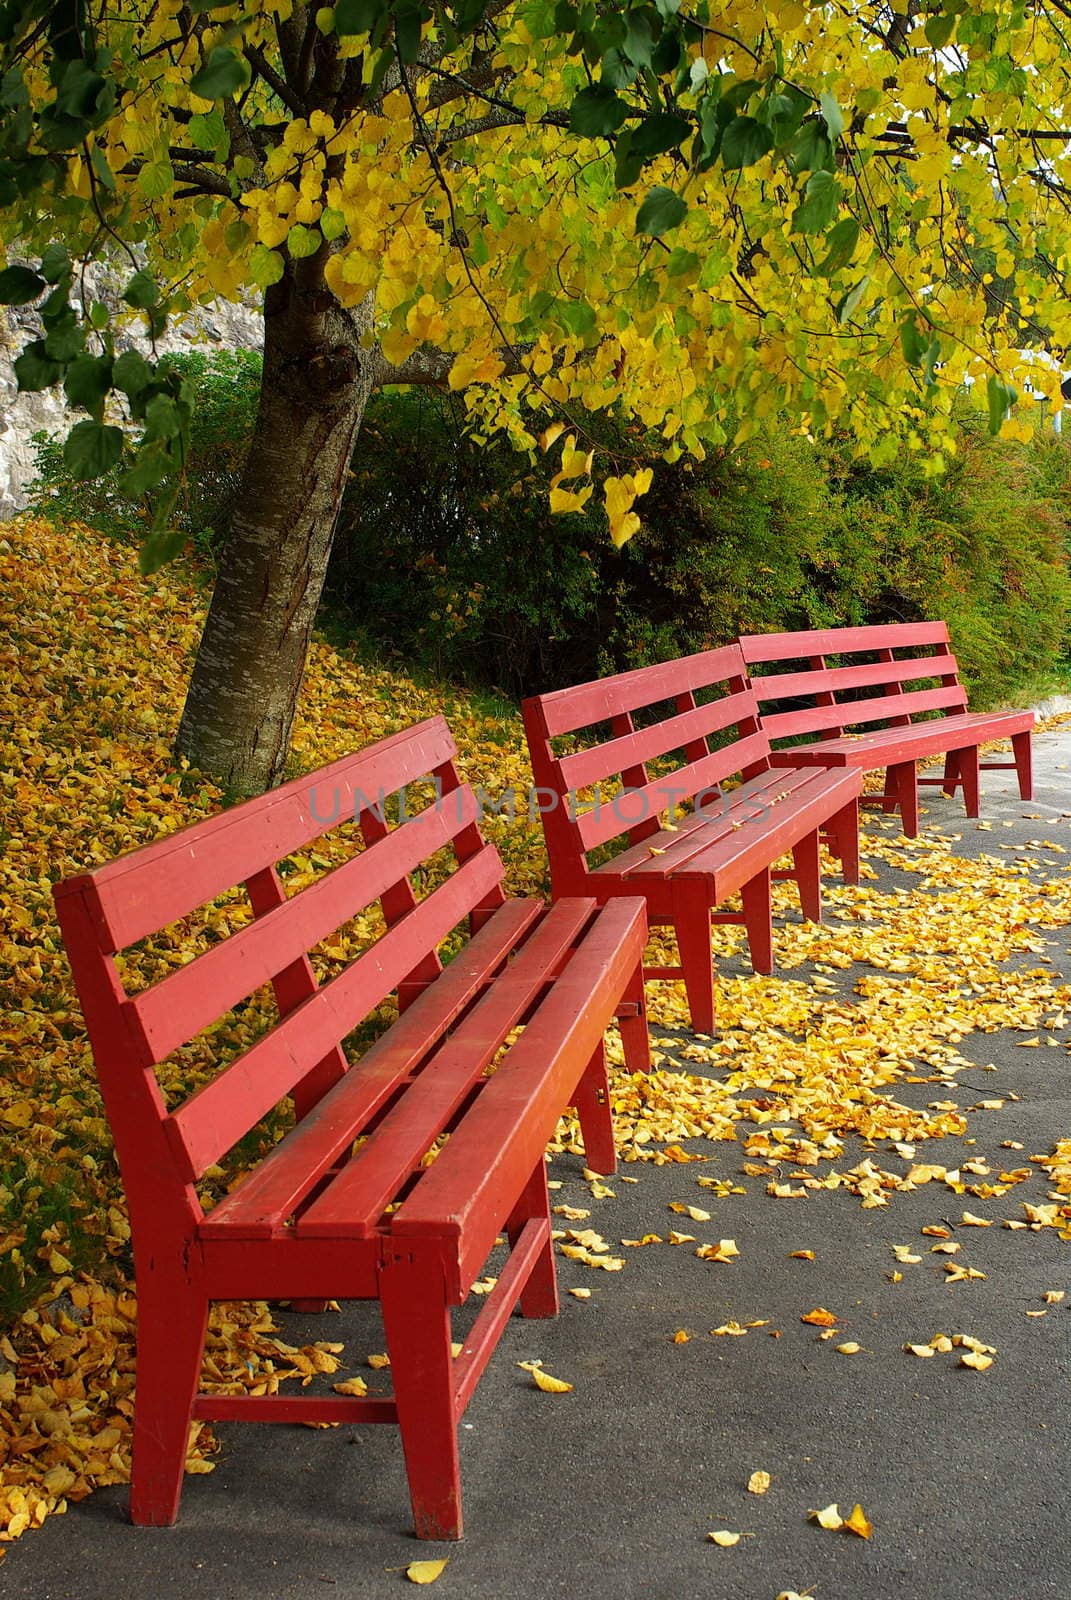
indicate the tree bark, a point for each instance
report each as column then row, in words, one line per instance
column 245, row 682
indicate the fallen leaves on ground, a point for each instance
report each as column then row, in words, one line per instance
column 94, row 665
column 426, row 1571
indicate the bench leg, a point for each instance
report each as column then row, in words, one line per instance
column 968, row 776
column 807, row 861
column 171, row 1337
column 904, row 779
column 635, row 1038
column 1024, row 764
column 416, row 1320
column 691, row 919
column 592, row 1101
column 758, row 917
column 539, row 1297
column 951, row 778
column 843, row 828
column 891, row 797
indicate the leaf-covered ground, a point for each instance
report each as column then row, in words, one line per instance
column 94, row 664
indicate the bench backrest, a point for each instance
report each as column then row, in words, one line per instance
column 621, row 724
column 163, row 1152
column 821, row 684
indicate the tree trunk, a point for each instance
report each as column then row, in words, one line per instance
column 316, row 382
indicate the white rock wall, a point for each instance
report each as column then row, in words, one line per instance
column 220, row 326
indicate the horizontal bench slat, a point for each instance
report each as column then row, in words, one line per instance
column 879, row 746
column 620, row 813
column 277, row 1186
column 740, row 804
column 466, row 1190
column 834, row 680
column 816, row 719
column 617, row 755
column 209, row 1123
column 180, row 1005
column 804, row 646
column 587, row 703
column 355, row 1200
column 735, row 858
column 140, row 893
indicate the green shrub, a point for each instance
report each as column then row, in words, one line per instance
column 227, row 383
column 448, row 555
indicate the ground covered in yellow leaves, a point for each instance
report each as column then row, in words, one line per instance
column 884, row 994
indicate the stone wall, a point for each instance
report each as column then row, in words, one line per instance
column 221, row 326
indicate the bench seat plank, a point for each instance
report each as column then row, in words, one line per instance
column 269, row 1195
column 881, row 747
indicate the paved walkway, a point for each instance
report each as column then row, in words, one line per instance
column 609, row 1492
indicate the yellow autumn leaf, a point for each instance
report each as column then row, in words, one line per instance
column 849, row 1348
column 548, row 1384
column 801, row 1255
column 972, row 1358
column 426, row 1571
column 829, row 1518
column 759, row 1482
column 724, row 1538
column 681, row 1336
column 820, row 1318
column 923, row 1351
column 859, row 1523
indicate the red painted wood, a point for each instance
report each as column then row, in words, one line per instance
column 180, row 1005
column 899, row 741
column 273, row 1191
column 206, row 1126
column 856, row 713
column 354, row 1202
column 751, row 827
column 661, row 738
column 163, row 882
column 563, row 974
column 761, row 647
column 568, row 709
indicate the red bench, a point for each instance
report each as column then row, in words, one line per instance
column 832, row 672
column 730, row 839
column 316, row 1219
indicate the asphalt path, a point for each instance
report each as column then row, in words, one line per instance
column 609, row 1492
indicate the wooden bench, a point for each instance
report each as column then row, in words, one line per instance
column 730, row 839
column 316, row 1219
column 865, row 698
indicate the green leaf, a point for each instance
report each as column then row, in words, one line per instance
column 849, row 305
column 99, row 163
column 131, row 373
column 150, row 467
column 223, row 74
column 34, row 369
column 407, row 32
column 156, row 179
column 817, row 210
column 163, row 418
column 265, row 266
column 55, row 263
column 1001, row 397
column 141, row 292
column 840, row 244
column 88, row 380
column 92, row 448
column 662, row 131
column 302, row 241
column 627, row 166
column 811, row 150
column 19, row 285
column 912, row 342
column 744, row 142
column 332, row 224
column 66, row 338
column 661, row 211
column 358, row 16
column 597, row 112
column 939, row 30
column 161, row 546
column 638, row 41
column 832, row 116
